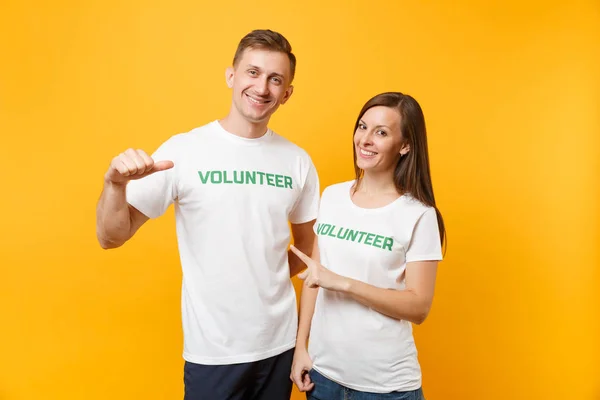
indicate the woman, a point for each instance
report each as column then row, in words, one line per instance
column 374, row 264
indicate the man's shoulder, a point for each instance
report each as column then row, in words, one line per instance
column 288, row 146
column 186, row 138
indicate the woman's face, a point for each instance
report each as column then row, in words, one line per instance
column 378, row 140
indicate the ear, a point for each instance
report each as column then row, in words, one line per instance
column 404, row 150
column 229, row 74
column 288, row 94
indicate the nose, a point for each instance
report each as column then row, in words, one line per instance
column 262, row 86
column 365, row 140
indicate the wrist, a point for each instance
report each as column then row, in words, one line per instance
column 345, row 285
column 116, row 185
column 301, row 343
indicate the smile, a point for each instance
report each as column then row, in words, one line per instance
column 367, row 153
column 257, row 101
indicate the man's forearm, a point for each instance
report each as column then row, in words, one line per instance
column 305, row 246
column 304, row 239
column 113, row 219
column 296, row 265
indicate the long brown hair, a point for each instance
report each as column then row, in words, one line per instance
column 412, row 173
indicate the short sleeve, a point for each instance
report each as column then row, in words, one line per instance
column 425, row 242
column 153, row 194
column 307, row 205
column 322, row 199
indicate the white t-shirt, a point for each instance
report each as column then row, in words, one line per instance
column 350, row 343
column 233, row 199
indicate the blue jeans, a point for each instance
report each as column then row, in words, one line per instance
column 326, row 389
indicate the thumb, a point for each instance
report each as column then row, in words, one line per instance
column 162, row 166
column 297, row 377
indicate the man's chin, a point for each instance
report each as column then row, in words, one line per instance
column 257, row 119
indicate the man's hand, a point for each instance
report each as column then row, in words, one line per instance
column 133, row 164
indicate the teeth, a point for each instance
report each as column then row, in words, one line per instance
column 252, row 99
column 367, row 153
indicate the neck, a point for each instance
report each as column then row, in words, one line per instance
column 374, row 183
column 238, row 125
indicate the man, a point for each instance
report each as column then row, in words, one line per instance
column 235, row 185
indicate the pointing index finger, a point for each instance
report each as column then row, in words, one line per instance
column 306, row 259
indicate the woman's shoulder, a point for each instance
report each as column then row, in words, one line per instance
column 409, row 202
column 338, row 189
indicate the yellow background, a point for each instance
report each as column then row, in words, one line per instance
column 511, row 94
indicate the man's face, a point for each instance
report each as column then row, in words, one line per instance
column 260, row 83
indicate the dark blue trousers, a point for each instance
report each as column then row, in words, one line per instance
column 267, row 379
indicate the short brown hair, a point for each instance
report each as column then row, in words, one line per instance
column 268, row 40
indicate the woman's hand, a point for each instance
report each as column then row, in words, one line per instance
column 300, row 367
column 316, row 275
